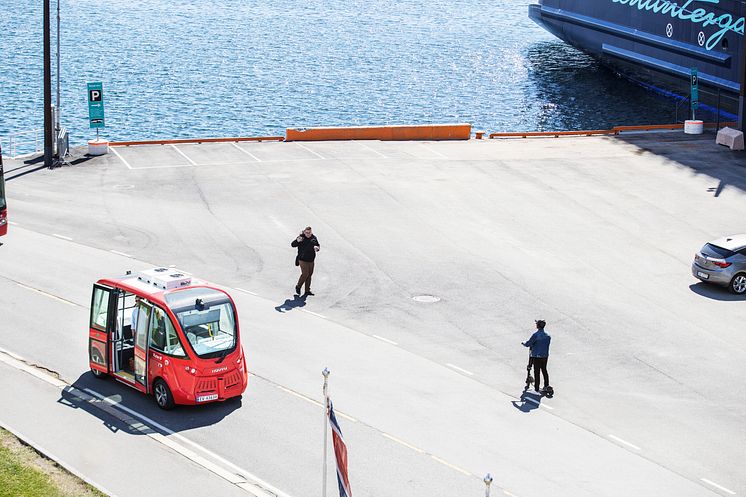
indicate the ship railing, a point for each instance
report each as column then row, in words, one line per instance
column 716, row 114
column 23, row 142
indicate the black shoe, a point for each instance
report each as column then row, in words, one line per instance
column 297, row 290
column 309, row 292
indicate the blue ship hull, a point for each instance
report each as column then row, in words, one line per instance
column 657, row 42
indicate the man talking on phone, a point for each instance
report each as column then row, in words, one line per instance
column 307, row 245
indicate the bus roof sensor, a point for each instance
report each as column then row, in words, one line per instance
column 165, row 278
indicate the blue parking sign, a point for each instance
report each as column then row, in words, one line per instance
column 96, row 105
column 695, row 88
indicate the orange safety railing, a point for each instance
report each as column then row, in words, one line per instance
column 613, row 131
column 556, row 134
column 199, row 140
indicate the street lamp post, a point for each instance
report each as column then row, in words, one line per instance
column 57, row 114
column 47, row 89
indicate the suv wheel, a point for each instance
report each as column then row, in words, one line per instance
column 738, row 284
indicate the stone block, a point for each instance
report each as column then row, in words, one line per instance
column 731, row 138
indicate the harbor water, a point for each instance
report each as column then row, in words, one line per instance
column 243, row 67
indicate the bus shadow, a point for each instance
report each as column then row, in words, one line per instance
column 128, row 411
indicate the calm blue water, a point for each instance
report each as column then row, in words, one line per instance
column 228, row 68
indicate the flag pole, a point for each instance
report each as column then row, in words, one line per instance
column 325, row 372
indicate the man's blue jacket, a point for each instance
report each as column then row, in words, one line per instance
column 539, row 344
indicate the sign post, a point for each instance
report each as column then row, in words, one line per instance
column 694, row 81
column 96, row 106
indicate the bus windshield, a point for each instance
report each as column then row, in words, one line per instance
column 207, row 318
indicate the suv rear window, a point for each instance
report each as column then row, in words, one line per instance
column 715, row 251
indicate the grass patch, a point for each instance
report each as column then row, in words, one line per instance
column 26, row 473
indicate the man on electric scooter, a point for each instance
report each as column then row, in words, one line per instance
column 538, row 344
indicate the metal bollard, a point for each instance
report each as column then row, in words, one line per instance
column 487, row 483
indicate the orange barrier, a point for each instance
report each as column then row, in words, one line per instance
column 199, row 140
column 616, row 130
column 414, row 132
column 555, row 134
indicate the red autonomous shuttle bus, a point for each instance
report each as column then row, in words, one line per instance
column 165, row 334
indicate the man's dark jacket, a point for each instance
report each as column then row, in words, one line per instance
column 306, row 252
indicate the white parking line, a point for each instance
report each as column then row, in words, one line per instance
column 402, row 442
column 169, row 166
column 453, row 366
column 120, row 253
column 315, row 402
column 346, row 416
column 246, row 152
column 63, row 237
column 314, row 313
column 372, row 150
column 245, row 291
column 11, row 354
column 184, row 155
column 238, row 478
column 113, row 149
column 49, row 295
column 446, row 463
column 296, row 394
column 385, row 340
column 433, row 151
column 51, row 455
column 709, row 482
column 614, row 437
column 13, row 223
column 306, row 148
column 534, row 401
column 22, row 366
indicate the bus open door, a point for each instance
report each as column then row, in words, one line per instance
column 118, row 336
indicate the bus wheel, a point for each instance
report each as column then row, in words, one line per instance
column 96, row 357
column 163, row 396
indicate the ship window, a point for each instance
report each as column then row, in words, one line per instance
column 725, row 43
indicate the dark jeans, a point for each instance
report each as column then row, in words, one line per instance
column 306, row 271
column 540, row 364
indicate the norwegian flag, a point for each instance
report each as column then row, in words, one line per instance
column 340, row 451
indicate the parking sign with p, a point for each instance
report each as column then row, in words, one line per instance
column 96, row 105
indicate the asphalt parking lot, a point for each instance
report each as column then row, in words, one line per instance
column 441, row 254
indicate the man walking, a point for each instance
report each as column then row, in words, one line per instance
column 538, row 344
column 308, row 245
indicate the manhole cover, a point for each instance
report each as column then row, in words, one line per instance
column 425, row 298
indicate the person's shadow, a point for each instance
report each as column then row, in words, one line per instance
column 289, row 305
column 529, row 401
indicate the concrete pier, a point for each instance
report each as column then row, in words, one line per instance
column 593, row 234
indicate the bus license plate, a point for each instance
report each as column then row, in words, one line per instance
column 703, row 275
column 207, row 398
